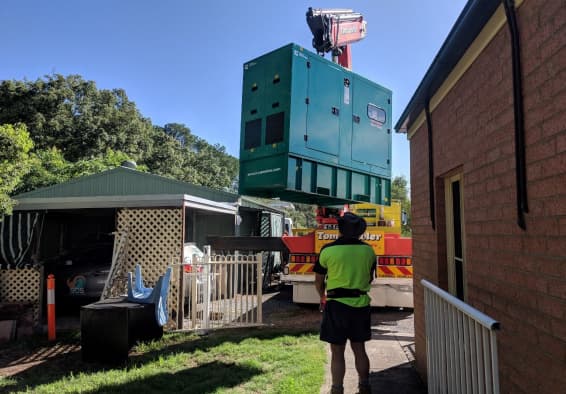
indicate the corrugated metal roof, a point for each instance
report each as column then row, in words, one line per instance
column 123, row 181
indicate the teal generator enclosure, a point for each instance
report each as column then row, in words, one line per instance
column 313, row 131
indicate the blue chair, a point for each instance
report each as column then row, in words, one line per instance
column 157, row 295
column 161, row 314
column 137, row 292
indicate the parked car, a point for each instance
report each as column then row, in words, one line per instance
column 80, row 274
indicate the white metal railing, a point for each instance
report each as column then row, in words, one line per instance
column 461, row 345
column 222, row 291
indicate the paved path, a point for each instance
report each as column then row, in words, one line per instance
column 390, row 352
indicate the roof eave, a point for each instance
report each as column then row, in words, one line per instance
column 135, row 201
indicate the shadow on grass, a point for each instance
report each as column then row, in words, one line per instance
column 225, row 374
column 47, row 366
column 212, row 340
column 37, row 348
column 206, row 378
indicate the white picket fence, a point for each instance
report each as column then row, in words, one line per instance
column 222, row 291
column 461, row 345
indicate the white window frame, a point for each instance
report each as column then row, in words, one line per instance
column 450, row 242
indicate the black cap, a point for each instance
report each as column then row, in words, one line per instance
column 351, row 226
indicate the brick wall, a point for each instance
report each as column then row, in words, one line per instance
column 517, row 277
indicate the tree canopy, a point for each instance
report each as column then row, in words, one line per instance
column 72, row 115
column 15, row 162
column 78, row 129
column 400, row 191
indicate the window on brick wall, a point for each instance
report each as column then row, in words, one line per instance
column 455, row 246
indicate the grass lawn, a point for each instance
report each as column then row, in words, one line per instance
column 257, row 360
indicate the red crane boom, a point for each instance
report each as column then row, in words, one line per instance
column 334, row 30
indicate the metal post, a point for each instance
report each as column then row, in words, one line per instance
column 206, row 292
column 51, row 307
column 259, row 282
column 206, row 287
column 194, row 295
column 494, row 363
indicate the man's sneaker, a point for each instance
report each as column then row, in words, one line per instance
column 337, row 390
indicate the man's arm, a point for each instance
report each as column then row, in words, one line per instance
column 319, row 284
column 320, row 271
column 373, row 269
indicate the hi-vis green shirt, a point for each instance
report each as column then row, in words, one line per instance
column 348, row 264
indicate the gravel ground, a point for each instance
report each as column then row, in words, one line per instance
column 280, row 311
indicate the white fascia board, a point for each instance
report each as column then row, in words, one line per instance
column 135, row 201
column 208, row 205
column 138, row 201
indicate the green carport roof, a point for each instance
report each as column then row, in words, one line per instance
column 122, row 181
column 123, row 187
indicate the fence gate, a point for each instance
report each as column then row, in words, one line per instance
column 222, row 291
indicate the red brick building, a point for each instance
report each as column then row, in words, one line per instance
column 488, row 183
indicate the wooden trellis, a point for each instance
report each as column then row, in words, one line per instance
column 22, row 285
column 154, row 240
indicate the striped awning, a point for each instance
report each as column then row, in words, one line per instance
column 16, row 235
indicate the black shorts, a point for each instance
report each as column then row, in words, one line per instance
column 341, row 322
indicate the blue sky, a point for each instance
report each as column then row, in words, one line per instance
column 181, row 60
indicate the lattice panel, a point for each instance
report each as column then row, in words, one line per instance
column 21, row 286
column 154, row 241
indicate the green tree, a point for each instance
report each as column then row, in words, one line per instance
column 303, row 215
column 166, row 157
column 400, row 191
column 49, row 167
column 178, row 154
column 15, row 144
column 180, row 133
column 78, row 129
column 213, row 167
column 109, row 160
column 72, row 115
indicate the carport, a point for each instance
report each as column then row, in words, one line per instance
column 131, row 217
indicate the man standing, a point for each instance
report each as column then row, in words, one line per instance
column 348, row 265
